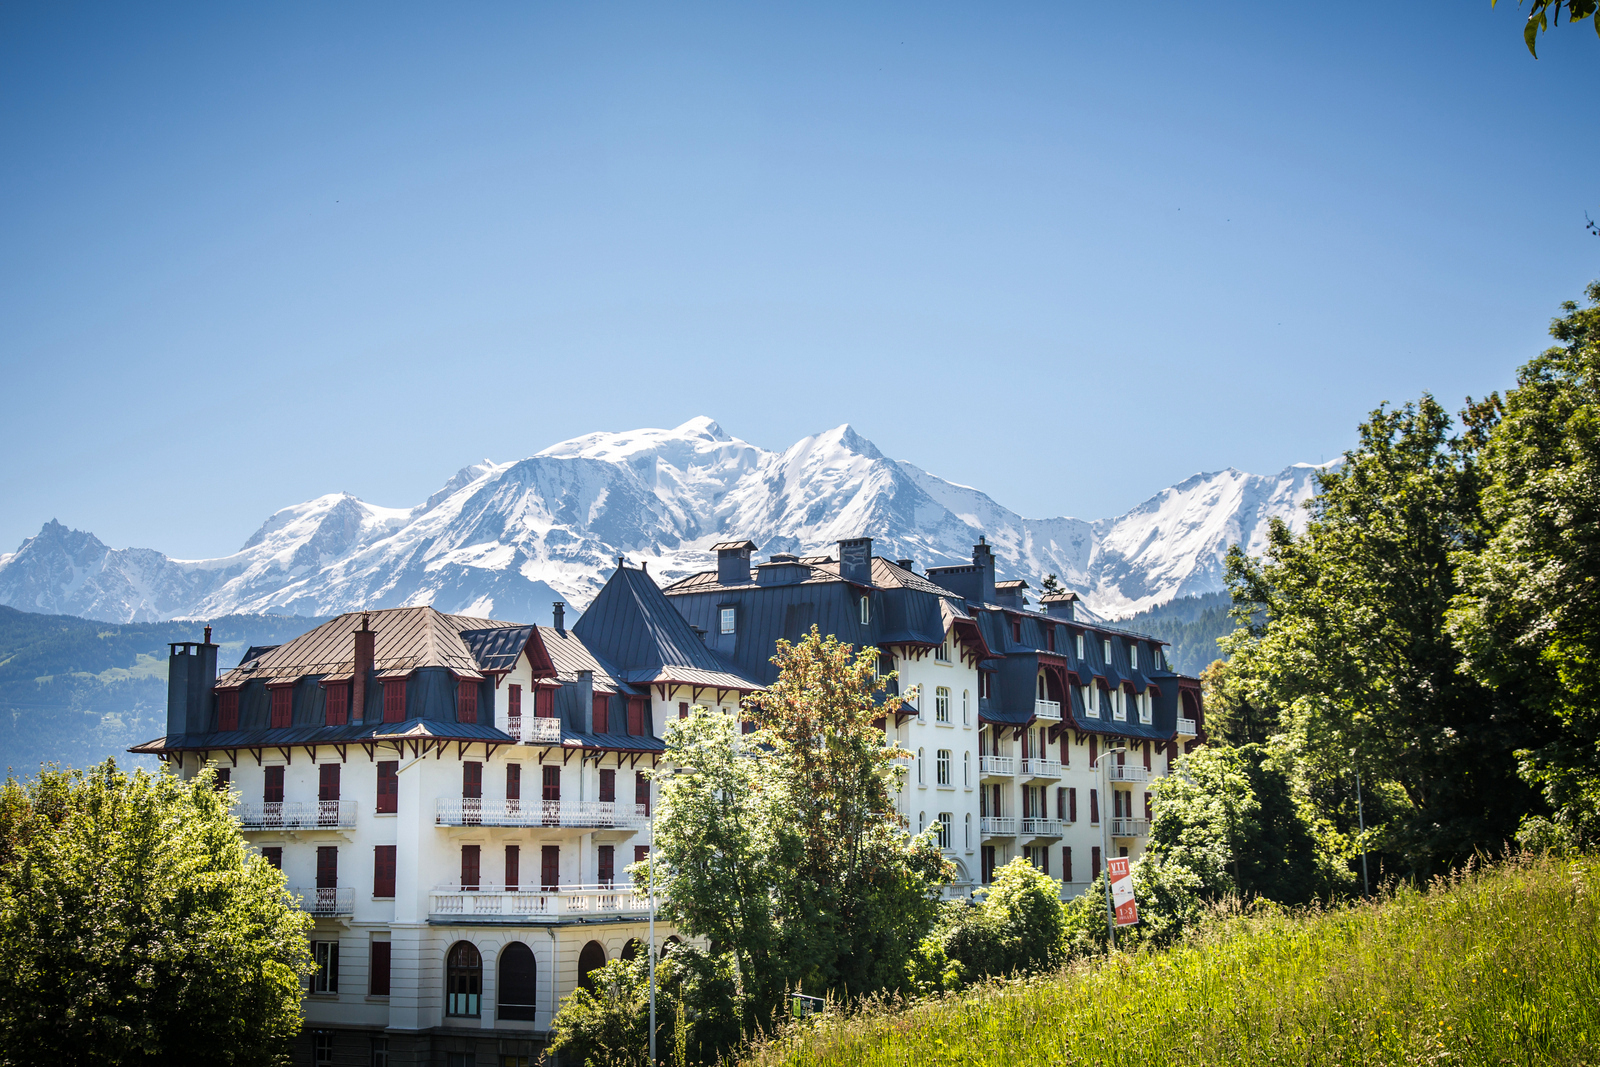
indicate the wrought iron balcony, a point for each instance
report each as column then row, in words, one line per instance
column 493, row 902
column 998, row 826
column 1128, row 772
column 1130, row 827
column 1041, row 828
column 1047, row 709
column 997, row 766
column 326, row 902
column 298, row 815
column 534, row 730
column 1186, row 727
column 1033, row 767
column 581, row 814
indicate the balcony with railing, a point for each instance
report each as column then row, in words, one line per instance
column 997, row 766
column 998, row 825
column 498, row 903
column 578, row 814
column 326, row 903
column 1186, row 727
column 534, row 729
column 1128, row 772
column 298, row 815
column 1130, row 827
column 1047, row 709
column 1041, row 828
column 1034, row 767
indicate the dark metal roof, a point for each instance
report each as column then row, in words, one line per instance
column 636, row 628
column 724, row 545
column 300, row 736
column 497, row 649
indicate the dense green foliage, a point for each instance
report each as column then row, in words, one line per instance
column 136, row 927
column 1490, row 967
column 1014, row 926
column 1192, row 626
column 1542, row 14
column 76, row 691
column 697, row 1011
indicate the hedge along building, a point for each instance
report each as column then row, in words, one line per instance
column 455, row 800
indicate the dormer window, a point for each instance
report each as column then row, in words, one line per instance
column 941, row 652
column 1133, row 655
column 1050, row 638
column 1105, row 647
column 1080, row 645
column 726, row 620
column 866, row 611
column 1016, row 630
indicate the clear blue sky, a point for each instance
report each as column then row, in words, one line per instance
column 1068, row 253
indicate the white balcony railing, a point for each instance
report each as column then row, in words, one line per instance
column 1127, row 772
column 1186, row 727
column 326, row 902
column 997, row 766
column 1041, row 828
column 489, row 901
column 534, row 730
column 998, row 826
column 298, row 815
column 1033, row 767
column 1047, row 709
column 1130, row 827
column 582, row 814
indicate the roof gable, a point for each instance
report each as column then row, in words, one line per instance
column 633, row 625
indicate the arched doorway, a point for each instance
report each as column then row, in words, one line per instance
column 519, row 982
column 633, row 949
column 669, row 945
column 592, row 958
column 463, row 981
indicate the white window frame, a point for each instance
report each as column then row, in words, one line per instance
column 941, row 767
column 727, row 620
column 1133, row 655
column 1119, row 705
column 866, row 610
column 921, row 778
column 325, row 979
column 1105, row 646
column 966, row 833
column 966, row 769
column 941, row 651
column 966, row 707
column 941, row 704
column 945, row 819
column 1079, row 636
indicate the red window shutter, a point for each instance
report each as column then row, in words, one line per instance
column 1094, row 863
column 513, row 781
column 513, row 867
column 636, row 717
column 272, row 791
column 1094, row 805
column 602, row 717
column 273, row 854
column 388, row 787
column 336, row 705
column 327, row 866
column 1016, row 630
column 608, row 784
column 328, row 781
column 514, row 701
column 282, row 706
column 1050, row 646
column 1066, row 863
column 550, row 867
column 466, row 700
column 1147, row 805
column 394, row 700
column 683, row 709
column 1094, row 752
column 472, row 780
column 228, row 710
column 608, row 864
column 544, row 703
column 641, row 853
column 552, row 783
column 469, row 867
column 378, row 973
column 383, row 870
column 641, row 792
column 1146, row 747
column 1072, row 804
column 221, row 780
column 1066, row 750
column 1061, row 804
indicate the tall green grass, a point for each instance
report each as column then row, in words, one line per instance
column 1495, row 966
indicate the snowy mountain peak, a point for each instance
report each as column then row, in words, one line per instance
column 505, row 539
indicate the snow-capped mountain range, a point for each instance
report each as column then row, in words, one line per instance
column 504, row 540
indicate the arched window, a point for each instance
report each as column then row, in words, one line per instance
column 966, row 768
column 633, row 949
column 463, row 981
column 922, row 821
column 966, row 713
column 669, row 944
column 592, row 958
column 966, row 834
column 919, row 767
column 866, row 611
column 519, row 981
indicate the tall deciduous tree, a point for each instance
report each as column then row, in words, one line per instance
column 137, row 928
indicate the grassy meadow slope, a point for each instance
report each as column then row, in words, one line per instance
column 75, row 691
column 1494, row 967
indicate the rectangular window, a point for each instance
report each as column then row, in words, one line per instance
column 608, row 784
column 1050, row 638
column 602, row 713
column 641, row 853
column 726, row 616
column 514, row 702
column 513, row 781
column 1066, row 863
column 1061, row 804
column 273, row 854
column 472, row 780
column 513, row 868
column 641, row 792
column 1078, row 639
column 388, row 787
column 466, row 700
column 1094, row 863
column 282, row 706
column 941, row 704
column 1094, row 806
column 337, row 703
column 544, row 703
column 272, row 790
column 326, row 978
column 328, row 782
column 228, row 710
column 470, row 859
column 1016, row 630
column 683, row 709
column 383, row 870
column 986, row 864
column 608, row 864
column 1145, row 745
column 394, row 700
column 1147, row 806
column 1105, row 647
column 221, row 779
column 866, row 611
column 1072, row 804
column 550, row 867
column 945, row 820
column 942, row 766
column 322, row 1045
column 378, row 980
column 941, row 652
column 1119, row 705
column 636, row 717
column 552, row 783
column 327, row 867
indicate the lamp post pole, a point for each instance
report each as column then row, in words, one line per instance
column 1361, row 820
column 1105, row 846
column 651, row 882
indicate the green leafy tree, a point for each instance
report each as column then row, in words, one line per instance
column 1344, row 628
column 1528, row 614
column 607, row 1023
column 1232, row 716
column 137, row 928
column 1015, row 926
column 1542, row 14
column 1052, row 585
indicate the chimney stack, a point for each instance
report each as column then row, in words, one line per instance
column 561, row 618
column 855, row 560
column 208, row 635
column 983, row 559
column 366, row 642
column 733, row 562
column 191, row 673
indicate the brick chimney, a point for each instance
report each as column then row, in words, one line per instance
column 366, row 642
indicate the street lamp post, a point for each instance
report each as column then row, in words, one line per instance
column 1105, row 845
column 651, row 883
